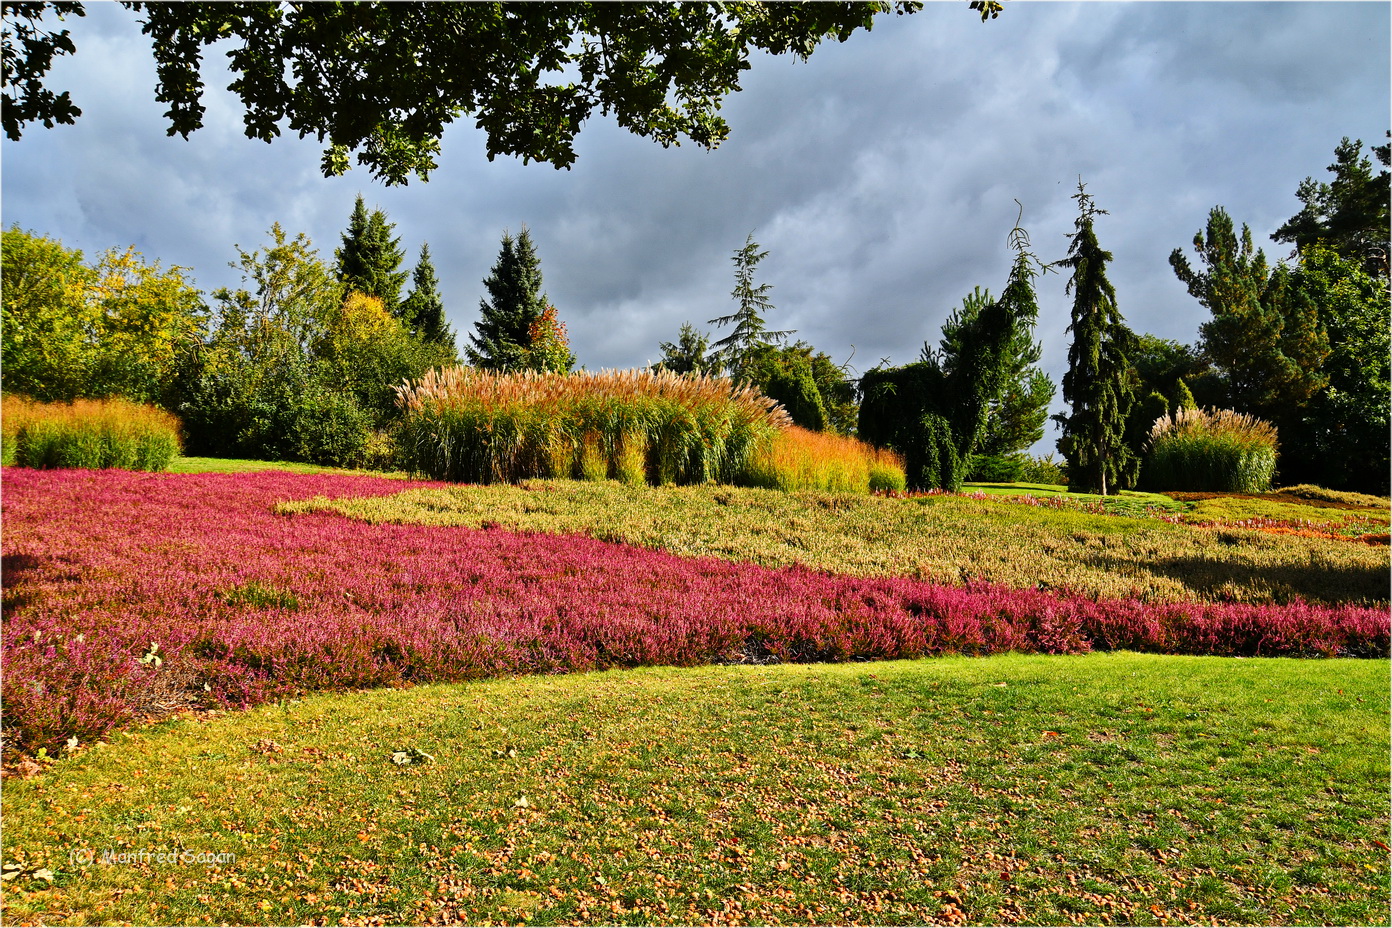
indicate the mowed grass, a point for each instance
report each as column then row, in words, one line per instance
column 199, row 465
column 941, row 538
column 1103, row 788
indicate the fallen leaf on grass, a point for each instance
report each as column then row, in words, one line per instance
column 411, row 756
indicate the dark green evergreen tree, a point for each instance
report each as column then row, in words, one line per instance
column 688, row 354
column 1015, row 418
column 370, row 259
column 935, row 411
column 738, row 348
column 515, row 301
column 1349, row 215
column 1099, row 386
column 423, row 310
column 1265, row 334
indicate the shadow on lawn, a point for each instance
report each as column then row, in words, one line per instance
column 1313, row 582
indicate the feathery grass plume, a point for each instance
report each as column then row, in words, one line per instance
column 475, row 426
column 88, row 433
column 1211, row 450
column 799, row 459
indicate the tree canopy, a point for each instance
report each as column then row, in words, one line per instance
column 1348, row 215
column 384, row 80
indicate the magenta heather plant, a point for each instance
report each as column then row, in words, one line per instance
column 246, row 605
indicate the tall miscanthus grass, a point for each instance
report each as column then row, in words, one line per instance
column 799, row 459
column 471, row 426
column 88, row 433
column 1211, row 450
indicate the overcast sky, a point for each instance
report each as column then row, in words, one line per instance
column 880, row 175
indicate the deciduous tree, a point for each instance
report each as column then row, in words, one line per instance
column 384, row 80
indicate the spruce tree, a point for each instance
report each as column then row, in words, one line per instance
column 688, row 354
column 515, row 301
column 370, row 260
column 738, row 348
column 1098, row 386
column 423, row 310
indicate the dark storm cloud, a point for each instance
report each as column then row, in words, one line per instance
column 881, row 175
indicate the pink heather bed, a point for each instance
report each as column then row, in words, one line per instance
column 100, row 564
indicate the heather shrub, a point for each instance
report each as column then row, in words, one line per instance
column 1211, row 450
column 472, row 426
column 90, row 434
column 799, row 459
column 257, row 605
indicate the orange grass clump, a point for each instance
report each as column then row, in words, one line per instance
column 799, row 459
column 88, row 433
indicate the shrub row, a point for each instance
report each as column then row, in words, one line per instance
column 88, row 433
column 258, row 606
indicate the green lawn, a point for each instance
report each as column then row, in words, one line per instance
column 1100, row 788
column 195, row 465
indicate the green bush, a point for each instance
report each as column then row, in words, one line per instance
column 89, row 433
column 1043, row 470
column 1211, row 451
column 997, row 468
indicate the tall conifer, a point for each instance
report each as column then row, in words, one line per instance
column 423, row 309
column 738, row 348
column 515, row 301
column 1098, row 386
column 370, row 259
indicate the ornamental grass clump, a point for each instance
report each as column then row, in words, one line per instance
column 1211, row 450
column 473, row 426
column 799, row 459
column 89, row 433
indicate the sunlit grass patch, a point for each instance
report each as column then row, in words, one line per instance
column 201, row 465
column 1118, row 787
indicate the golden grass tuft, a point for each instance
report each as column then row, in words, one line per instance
column 88, row 433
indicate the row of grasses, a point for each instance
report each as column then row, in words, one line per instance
column 1213, row 450
column 471, row 426
column 88, row 433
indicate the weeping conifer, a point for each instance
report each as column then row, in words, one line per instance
column 1098, row 386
